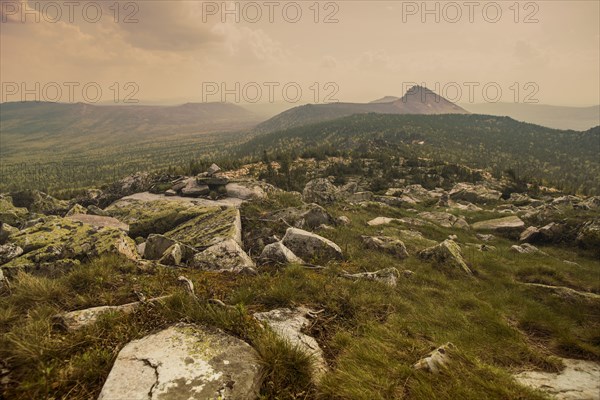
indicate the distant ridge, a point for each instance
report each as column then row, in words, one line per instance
column 417, row 100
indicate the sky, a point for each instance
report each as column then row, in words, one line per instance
column 299, row 52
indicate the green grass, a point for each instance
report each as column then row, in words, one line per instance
column 371, row 334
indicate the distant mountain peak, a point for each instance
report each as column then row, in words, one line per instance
column 385, row 99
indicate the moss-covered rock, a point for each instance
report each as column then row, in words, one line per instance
column 39, row 202
column 60, row 239
column 446, row 253
column 76, row 209
column 212, row 226
column 9, row 214
column 160, row 216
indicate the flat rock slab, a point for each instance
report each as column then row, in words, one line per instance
column 99, row 222
column 184, row 362
column 147, row 196
column 580, row 380
column 213, row 226
column 505, row 224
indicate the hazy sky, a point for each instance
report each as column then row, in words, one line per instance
column 355, row 50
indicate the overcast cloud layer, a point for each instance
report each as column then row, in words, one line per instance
column 374, row 49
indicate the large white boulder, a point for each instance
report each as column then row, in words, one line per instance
column 184, row 362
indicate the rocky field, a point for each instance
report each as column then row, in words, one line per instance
column 223, row 286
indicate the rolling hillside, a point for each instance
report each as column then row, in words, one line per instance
column 33, row 130
column 417, row 100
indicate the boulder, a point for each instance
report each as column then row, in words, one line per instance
column 435, row 360
column 419, row 194
column 76, row 209
column 99, row 222
column 156, row 216
column 320, row 191
column 510, row 226
column 9, row 214
column 160, row 247
column 447, row 252
column 245, row 191
column 136, row 183
column 359, row 197
column 170, row 193
column 287, row 324
column 592, row 203
column 194, row 189
column 306, row 216
column 224, row 256
column 78, row 319
column 486, row 237
column 277, row 252
column 529, row 235
column 525, row 248
column 8, row 252
column 386, row 244
column 342, row 220
column 387, row 276
column 308, row 245
column 552, row 232
column 213, row 181
column 577, row 381
column 213, row 169
column 173, row 255
column 589, row 235
column 214, row 225
column 6, row 231
column 184, row 362
column 39, row 202
column 382, row 221
column 478, row 194
column 445, row 219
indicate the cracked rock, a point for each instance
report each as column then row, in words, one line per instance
column 184, row 362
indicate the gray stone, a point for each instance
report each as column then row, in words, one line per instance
column 579, row 380
column 447, row 252
column 436, row 360
column 342, row 220
column 184, row 362
column 525, row 248
column 529, row 235
column 213, row 169
column 99, row 221
column 511, row 226
column 589, row 235
column 445, row 219
column 277, row 252
column 194, row 189
column 477, row 194
column 245, row 191
column 224, row 256
column 387, row 276
column 321, row 191
column 170, row 193
column 8, row 252
column 308, row 245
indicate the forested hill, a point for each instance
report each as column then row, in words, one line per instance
column 565, row 159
